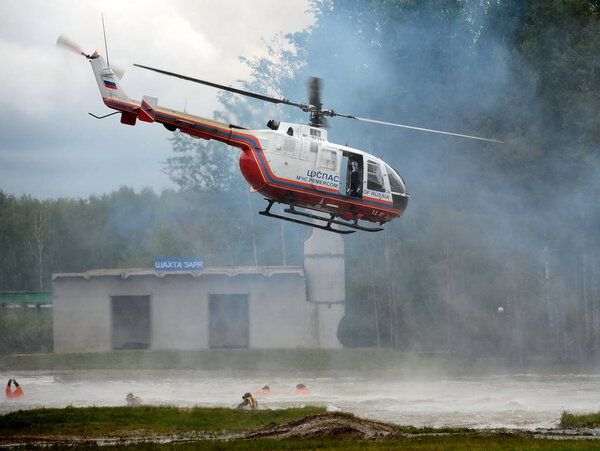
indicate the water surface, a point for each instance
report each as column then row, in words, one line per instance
column 525, row 401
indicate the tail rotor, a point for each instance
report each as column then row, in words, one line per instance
column 66, row 43
column 71, row 46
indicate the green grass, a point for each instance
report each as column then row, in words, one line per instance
column 111, row 421
column 573, row 421
column 197, row 424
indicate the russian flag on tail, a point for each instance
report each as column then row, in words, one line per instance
column 110, row 84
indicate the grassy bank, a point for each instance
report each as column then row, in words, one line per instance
column 273, row 360
column 207, row 428
column 122, row 421
column 573, row 421
column 226, row 359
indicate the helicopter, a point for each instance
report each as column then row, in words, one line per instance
column 320, row 183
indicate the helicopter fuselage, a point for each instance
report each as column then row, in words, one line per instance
column 295, row 164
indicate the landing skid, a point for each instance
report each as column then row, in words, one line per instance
column 329, row 221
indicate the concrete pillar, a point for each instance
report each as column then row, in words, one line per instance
column 324, row 269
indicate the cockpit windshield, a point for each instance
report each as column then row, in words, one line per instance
column 396, row 182
column 399, row 196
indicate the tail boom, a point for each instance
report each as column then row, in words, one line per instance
column 148, row 110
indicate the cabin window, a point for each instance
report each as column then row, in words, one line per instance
column 374, row 177
column 328, row 160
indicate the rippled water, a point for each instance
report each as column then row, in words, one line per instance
column 522, row 401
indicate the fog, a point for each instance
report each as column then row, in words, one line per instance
column 487, row 225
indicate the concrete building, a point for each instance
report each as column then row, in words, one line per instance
column 234, row 307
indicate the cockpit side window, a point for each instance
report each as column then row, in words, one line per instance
column 374, row 177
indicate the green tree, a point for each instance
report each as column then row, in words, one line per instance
column 199, row 165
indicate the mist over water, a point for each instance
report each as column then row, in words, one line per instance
column 525, row 401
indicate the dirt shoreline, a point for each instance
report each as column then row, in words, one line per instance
column 331, row 425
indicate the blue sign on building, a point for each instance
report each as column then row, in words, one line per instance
column 178, row 264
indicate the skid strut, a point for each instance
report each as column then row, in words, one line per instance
column 327, row 222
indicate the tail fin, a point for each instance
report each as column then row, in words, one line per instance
column 107, row 81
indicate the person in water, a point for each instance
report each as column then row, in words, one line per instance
column 301, row 389
column 10, row 394
column 266, row 390
column 133, row 401
column 248, row 400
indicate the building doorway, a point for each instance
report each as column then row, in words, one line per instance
column 229, row 323
column 130, row 322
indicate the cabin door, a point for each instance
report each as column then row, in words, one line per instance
column 351, row 175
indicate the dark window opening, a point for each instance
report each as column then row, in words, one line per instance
column 130, row 322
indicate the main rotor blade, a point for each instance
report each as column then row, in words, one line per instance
column 226, row 88
column 426, row 129
column 313, row 108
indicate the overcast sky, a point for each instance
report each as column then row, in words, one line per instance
column 50, row 147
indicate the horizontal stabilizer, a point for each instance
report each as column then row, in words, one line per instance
column 148, row 109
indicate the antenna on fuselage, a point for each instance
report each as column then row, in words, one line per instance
column 105, row 45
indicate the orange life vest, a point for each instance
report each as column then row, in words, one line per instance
column 263, row 392
column 18, row 393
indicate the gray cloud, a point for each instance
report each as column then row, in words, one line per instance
column 51, row 147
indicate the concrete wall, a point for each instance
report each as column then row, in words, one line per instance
column 324, row 267
column 81, row 316
column 279, row 316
